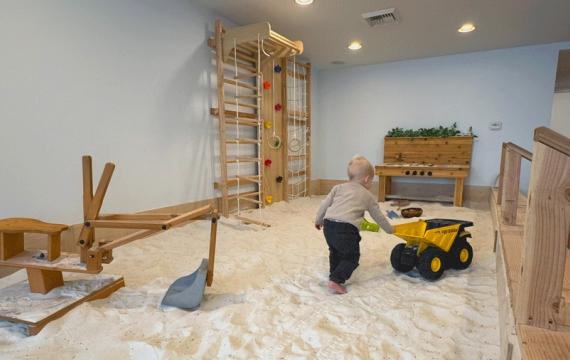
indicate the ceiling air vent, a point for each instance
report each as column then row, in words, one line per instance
column 381, row 17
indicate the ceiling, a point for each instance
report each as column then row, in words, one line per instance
column 427, row 27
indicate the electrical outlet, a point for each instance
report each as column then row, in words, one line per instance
column 495, row 125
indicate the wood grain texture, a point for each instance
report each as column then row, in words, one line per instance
column 423, row 150
column 541, row 344
column 545, row 237
column 510, row 192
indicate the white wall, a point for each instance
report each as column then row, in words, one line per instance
column 561, row 113
column 358, row 105
column 126, row 81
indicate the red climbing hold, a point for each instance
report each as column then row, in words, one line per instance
column 266, row 85
column 267, row 162
column 278, row 107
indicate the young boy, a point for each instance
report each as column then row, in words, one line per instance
column 341, row 214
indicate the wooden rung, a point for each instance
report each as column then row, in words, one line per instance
column 233, row 114
column 232, row 182
column 241, row 66
column 296, row 156
column 297, row 173
column 248, row 96
column 251, row 178
column 247, row 75
column 292, row 118
column 249, row 200
column 244, row 122
column 235, row 196
column 233, row 102
column 243, row 159
column 242, row 141
column 240, row 84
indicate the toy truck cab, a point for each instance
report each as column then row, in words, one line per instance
column 432, row 246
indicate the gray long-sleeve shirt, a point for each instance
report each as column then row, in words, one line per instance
column 347, row 202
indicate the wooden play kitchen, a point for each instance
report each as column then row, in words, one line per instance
column 425, row 157
column 45, row 268
column 264, row 118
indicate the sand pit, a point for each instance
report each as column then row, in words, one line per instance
column 269, row 299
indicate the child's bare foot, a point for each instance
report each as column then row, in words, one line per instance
column 337, row 288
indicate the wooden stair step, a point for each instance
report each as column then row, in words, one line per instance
column 297, row 173
column 232, row 182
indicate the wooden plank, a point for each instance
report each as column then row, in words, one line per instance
column 519, row 150
column 545, row 239
column 126, row 239
column 153, row 216
column 511, row 177
column 221, row 115
column 308, row 125
column 285, row 132
column 544, row 344
column 382, row 188
column 552, row 139
column 182, row 218
column 27, row 225
column 501, row 173
column 127, row 224
column 43, row 281
column 11, row 245
column 29, row 259
column 248, row 220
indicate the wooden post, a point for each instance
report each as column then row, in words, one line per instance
column 212, row 251
column 512, row 173
column 11, row 245
column 43, row 281
column 382, row 188
column 501, row 174
column 222, row 117
column 309, row 166
column 546, row 232
column 54, row 246
column 458, row 193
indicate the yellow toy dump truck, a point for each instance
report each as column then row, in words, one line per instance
column 432, row 246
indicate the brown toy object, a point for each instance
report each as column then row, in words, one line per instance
column 412, row 212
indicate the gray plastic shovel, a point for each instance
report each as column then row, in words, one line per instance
column 187, row 291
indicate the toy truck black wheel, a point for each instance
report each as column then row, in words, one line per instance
column 432, row 263
column 397, row 257
column 461, row 254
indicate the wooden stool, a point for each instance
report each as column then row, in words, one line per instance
column 12, row 243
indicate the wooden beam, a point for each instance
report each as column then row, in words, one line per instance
column 152, row 216
column 221, row 116
column 511, row 178
column 501, row 173
column 126, row 239
column 553, row 139
column 180, row 219
column 126, row 224
column 545, row 236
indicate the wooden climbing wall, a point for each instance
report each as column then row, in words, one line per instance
column 272, row 97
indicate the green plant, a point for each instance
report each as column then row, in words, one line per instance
column 441, row 131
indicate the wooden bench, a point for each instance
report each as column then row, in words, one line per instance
column 425, row 157
column 12, row 232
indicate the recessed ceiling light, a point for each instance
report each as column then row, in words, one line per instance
column 466, row 28
column 303, row 2
column 355, row 45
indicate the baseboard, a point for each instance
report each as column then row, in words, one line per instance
column 475, row 197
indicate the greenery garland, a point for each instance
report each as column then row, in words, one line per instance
column 441, row 131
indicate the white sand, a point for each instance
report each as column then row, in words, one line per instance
column 269, row 300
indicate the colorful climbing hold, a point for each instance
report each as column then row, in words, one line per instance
column 269, row 199
column 267, row 124
column 268, row 162
column 266, row 85
column 279, row 179
column 278, row 107
column 277, row 68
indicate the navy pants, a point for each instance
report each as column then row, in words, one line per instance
column 344, row 249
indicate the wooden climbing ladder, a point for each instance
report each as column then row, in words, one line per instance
column 240, row 54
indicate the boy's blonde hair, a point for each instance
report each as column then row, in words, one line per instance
column 358, row 168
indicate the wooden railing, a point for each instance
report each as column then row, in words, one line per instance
column 510, row 173
column 539, row 299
